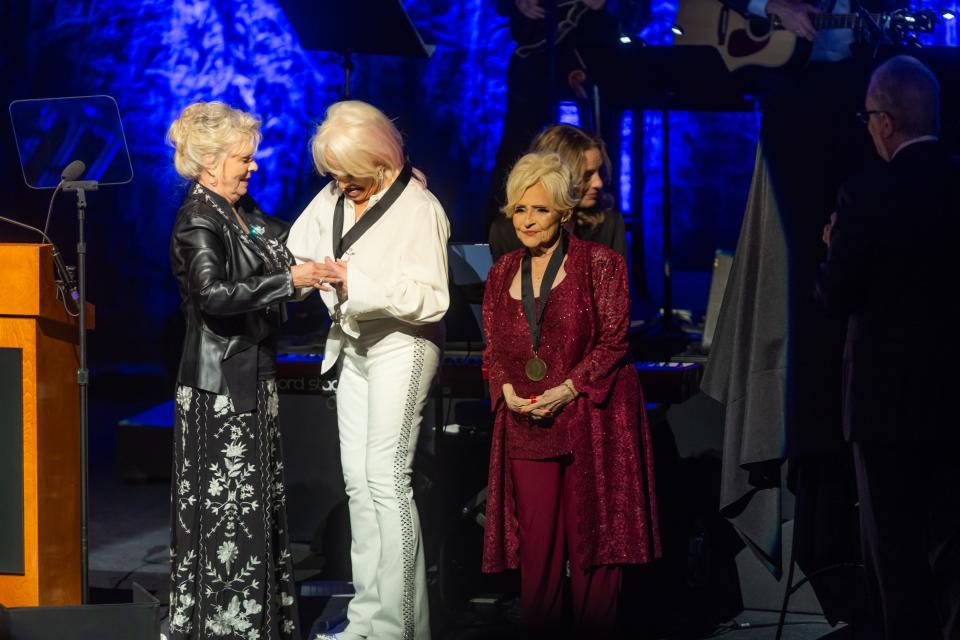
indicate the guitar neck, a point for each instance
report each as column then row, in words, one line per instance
column 838, row 20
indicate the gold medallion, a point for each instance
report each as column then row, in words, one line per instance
column 536, row 369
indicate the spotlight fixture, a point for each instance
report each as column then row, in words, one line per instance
column 625, row 39
column 677, row 30
column 948, row 15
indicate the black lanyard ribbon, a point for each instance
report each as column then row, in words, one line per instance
column 535, row 319
column 341, row 243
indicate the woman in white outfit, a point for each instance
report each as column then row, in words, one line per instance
column 382, row 239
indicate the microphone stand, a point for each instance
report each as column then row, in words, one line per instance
column 83, row 379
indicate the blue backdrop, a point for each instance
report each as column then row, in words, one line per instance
column 156, row 56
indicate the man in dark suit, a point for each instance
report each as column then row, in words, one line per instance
column 892, row 269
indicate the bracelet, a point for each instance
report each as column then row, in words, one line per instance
column 569, row 385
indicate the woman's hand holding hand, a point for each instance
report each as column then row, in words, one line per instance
column 551, row 401
column 309, row 274
column 335, row 272
column 514, row 402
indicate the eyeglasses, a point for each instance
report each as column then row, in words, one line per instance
column 864, row 116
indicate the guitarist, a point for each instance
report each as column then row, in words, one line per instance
column 796, row 16
column 532, row 92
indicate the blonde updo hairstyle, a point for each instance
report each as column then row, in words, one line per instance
column 358, row 140
column 549, row 170
column 206, row 132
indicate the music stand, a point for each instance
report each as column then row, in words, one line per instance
column 379, row 27
column 469, row 264
column 50, row 134
column 666, row 78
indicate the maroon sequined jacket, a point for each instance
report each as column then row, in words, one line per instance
column 584, row 338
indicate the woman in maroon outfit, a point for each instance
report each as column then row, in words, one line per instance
column 571, row 474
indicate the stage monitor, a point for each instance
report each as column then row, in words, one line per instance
column 51, row 133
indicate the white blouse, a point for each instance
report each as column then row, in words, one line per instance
column 396, row 271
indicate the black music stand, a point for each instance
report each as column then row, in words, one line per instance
column 358, row 26
column 665, row 79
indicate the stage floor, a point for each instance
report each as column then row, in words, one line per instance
column 129, row 541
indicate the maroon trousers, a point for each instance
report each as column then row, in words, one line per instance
column 546, row 512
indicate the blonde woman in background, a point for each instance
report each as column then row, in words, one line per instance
column 382, row 240
column 231, row 571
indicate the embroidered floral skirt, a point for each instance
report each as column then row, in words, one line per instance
column 231, row 573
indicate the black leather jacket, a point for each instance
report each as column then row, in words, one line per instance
column 232, row 289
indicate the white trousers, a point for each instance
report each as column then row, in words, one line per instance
column 380, row 398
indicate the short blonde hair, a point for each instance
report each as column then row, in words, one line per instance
column 356, row 139
column 205, row 132
column 549, row 170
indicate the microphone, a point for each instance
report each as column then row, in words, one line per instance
column 70, row 173
column 73, row 171
column 68, row 281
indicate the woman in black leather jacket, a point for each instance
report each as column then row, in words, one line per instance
column 231, row 571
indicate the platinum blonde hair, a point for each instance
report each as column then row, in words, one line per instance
column 358, row 140
column 549, row 170
column 206, row 132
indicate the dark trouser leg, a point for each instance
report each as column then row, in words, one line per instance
column 537, row 485
column 595, row 592
column 893, row 523
column 943, row 505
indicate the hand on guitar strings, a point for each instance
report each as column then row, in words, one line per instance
column 794, row 15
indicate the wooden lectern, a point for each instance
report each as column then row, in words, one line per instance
column 39, row 434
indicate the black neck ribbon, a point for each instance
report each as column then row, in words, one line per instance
column 342, row 243
column 534, row 315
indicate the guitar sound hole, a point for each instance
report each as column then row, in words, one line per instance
column 741, row 43
column 759, row 28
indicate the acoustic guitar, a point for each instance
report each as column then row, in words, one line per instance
column 754, row 41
